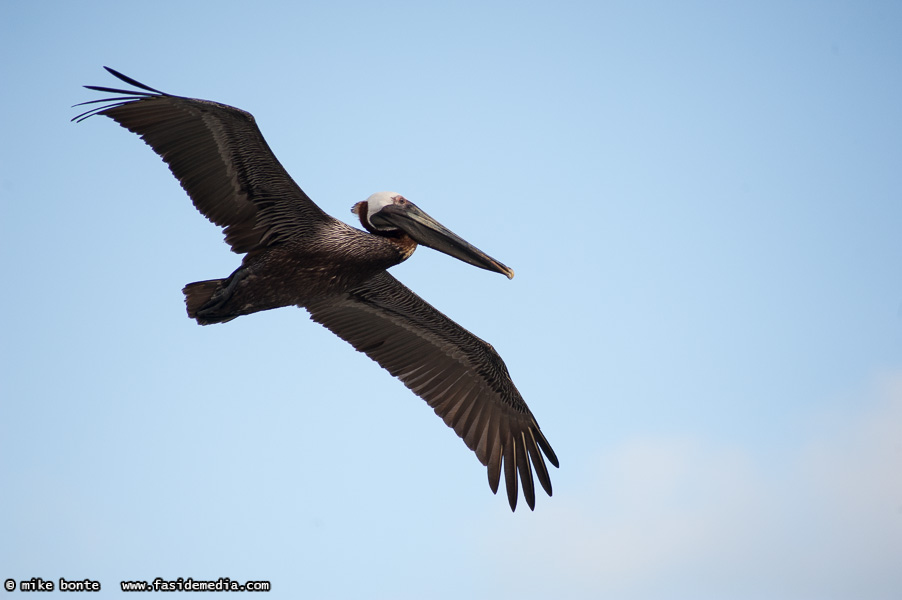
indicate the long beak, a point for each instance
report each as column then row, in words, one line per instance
column 429, row 232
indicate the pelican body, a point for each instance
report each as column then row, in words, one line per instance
column 297, row 255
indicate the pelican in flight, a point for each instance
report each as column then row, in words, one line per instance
column 297, row 255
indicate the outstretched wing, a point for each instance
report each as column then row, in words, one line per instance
column 221, row 159
column 455, row 372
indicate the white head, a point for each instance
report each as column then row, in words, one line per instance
column 377, row 202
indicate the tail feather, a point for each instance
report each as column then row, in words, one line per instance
column 198, row 295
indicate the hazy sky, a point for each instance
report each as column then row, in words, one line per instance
column 702, row 203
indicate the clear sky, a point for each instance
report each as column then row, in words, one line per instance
column 702, row 203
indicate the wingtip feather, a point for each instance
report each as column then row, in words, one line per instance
column 510, row 471
column 131, row 81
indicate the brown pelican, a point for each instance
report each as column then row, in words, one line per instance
column 296, row 254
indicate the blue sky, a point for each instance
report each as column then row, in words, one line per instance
column 701, row 201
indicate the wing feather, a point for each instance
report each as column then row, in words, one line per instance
column 509, row 449
column 460, row 376
column 221, row 160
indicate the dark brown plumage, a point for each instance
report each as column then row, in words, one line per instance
column 296, row 254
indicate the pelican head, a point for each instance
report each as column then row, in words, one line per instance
column 389, row 213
